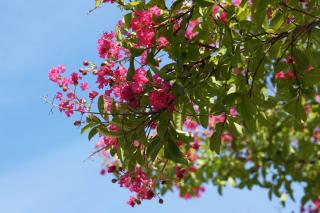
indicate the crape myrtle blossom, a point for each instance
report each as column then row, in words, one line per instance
column 112, row 84
column 143, row 25
column 218, row 12
column 176, row 83
column 190, row 33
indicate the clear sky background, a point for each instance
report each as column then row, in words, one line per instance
column 41, row 155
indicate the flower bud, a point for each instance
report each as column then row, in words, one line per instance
column 85, row 63
column 77, row 123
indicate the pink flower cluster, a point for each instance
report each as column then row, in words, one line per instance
column 190, row 34
column 190, row 124
column 196, row 192
column 161, row 97
column 215, row 119
column 108, row 48
column 139, row 183
column 285, row 75
column 68, row 100
column 143, row 25
column 218, row 12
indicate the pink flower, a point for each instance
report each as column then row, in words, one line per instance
column 215, row 10
column 308, row 69
column 162, row 42
column 64, row 83
column 215, row 119
column 140, row 76
column 142, row 23
column 195, row 145
column 290, row 74
column 113, row 128
column 71, row 96
column 161, row 99
column 226, row 137
column 61, row 68
column 120, row 74
column 189, row 34
column 59, row 96
column 280, row 75
column 317, row 203
column 108, row 48
column 187, row 196
column 155, row 10
column 196, row 193
column 111, row 169
column 66, row 107
column 131, row 90
column 54, row 75
column 136, row 143
column 233, row 112
column 143, row 57
column 131, row 201
column 84, row 86
column 236, row 2
column 139, row 183
column 190, row 125
column 93, row 94
column 224, row 17
column 75, row 77
column 81, row 108
column 180, row 172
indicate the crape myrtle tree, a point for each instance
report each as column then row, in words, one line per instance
column 204, row 91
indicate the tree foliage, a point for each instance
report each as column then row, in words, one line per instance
column 205, row 91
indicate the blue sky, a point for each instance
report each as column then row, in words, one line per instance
column 41, row 166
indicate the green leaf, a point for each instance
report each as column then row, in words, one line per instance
column 312, row 77
column 154, row 148
column 215, row 140
column 163, row 125
column 247, row 110
column 132, row 163
column 103, row 130
column 92, row 133
column 126, row 21
column 204, row 3
column 87, row 127
column 301, row 60
column 172, row 152
column 101, row 107
column 131, row 69
column 277, row 21
column 259, row 11
column 296, row 109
